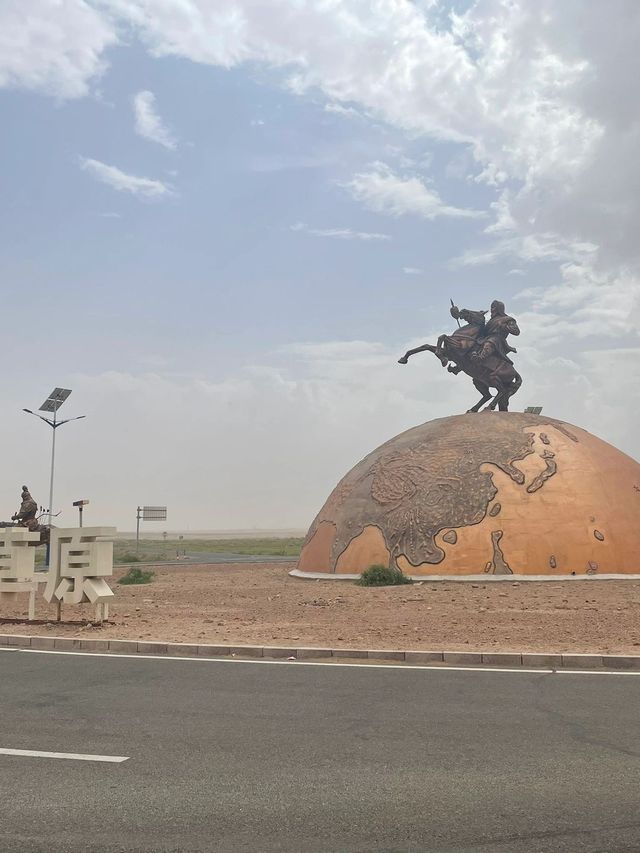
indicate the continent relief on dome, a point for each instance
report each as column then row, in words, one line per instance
column 413, row 492
column 463, row 493
column 550, row 470
column 498, row 565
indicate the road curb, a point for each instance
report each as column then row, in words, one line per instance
column 529, row 660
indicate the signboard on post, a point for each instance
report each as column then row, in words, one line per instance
column 154, row 513
column 81, row 505
column 148, row 513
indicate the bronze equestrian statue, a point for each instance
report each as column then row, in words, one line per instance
column 480, row 349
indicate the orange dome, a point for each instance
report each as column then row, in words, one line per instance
column 495, row 493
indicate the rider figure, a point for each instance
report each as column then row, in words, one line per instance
column 496, row 331
column 26, row 515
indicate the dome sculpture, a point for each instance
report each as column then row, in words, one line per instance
column 491, row 493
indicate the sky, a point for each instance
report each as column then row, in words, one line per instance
column 223, row 221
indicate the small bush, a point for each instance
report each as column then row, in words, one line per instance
column 136, row 575
column 382, row 576
column 128, row 558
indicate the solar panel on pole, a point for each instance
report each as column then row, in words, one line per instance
column 55, row 399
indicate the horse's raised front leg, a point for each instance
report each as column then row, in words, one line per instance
column 424, row 348
column 440, row 350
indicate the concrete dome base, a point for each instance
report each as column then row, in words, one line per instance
column 495, row 493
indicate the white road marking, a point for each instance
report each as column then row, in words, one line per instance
column 280, row 662
column 72, row 756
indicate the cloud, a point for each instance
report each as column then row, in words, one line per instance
column 536, row 95
column 148, row 123
column 506, row 240
column 322, row 406
column 538, row 101
column 381, row 190
column 412, row 271
column 123, row 182
column 53, row 46
column 584, row 304
column 356, row 353
column 339, row 109
column 340, row 233
column 275, row 473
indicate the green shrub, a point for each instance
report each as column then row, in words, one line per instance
column 382, row 576
column 136, row 575
column 127, row 558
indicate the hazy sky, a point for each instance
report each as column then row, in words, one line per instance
column 222, row 222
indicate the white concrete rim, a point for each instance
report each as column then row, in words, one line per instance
column 339, row 576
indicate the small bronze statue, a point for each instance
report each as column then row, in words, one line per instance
column 26, row 515
column 480, row 349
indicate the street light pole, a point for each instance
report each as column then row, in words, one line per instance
column 53, row 464
column 52, row 404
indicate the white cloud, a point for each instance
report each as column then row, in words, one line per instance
column 148, row 123
column 510, row 241
column 52, row 46
column 540, row 103
column 352, row 390
column 340, row 233
column 356, row 353
column 412, row 271
column 583, row 304
column 381, row 190
column 341, row 110
column 322, row 406
column 539, row 99
column 538, row 94
column 123, row 182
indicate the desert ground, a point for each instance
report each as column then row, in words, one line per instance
column 260, row 603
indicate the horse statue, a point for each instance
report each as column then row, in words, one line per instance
column 480, row 350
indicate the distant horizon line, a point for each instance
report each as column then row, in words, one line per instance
column 225, row 533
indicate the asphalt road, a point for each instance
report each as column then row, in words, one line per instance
column 225, row 557
column 233, row 756
column 212, row 558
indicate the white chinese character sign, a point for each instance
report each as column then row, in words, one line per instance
column 17, row 565
column 80, row 560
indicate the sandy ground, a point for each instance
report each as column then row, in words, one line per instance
column 261, row 604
